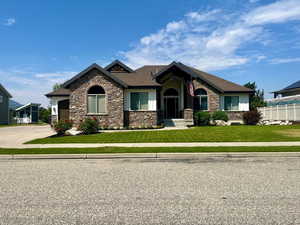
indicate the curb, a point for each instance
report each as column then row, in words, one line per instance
column 152, row 155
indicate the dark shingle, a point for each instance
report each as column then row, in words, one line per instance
column 59, row 92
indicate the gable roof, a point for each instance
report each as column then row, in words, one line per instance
column 117, row 62
column 291, row 87
column 218, row 83
column 146, row 76
column 5, row 91
column 91, row 67
column 59, row 92
column 142, row 77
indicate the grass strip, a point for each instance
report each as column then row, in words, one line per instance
column 105, row 150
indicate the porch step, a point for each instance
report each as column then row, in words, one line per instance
column 175, row 123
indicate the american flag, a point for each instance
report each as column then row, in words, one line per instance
column 190, row 88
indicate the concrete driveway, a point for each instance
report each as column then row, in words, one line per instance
column 11, row 137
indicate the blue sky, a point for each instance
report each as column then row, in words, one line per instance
column 44, row 42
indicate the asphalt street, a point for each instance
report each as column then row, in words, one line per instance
column 204, row 190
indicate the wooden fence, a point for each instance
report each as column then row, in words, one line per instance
column 289, row 112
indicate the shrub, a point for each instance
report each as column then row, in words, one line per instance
column 62, row 126
column 202, row 118
column 89, row 126
column 252, row 117
column 220, row 115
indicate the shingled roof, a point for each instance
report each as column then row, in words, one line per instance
column 291, row 87
column 146, row 76
column 59, row 92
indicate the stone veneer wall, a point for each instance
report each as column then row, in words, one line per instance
column 140, row 118
column 213, row 96
column 235, row 115
column 114, row 100
column 54, row 118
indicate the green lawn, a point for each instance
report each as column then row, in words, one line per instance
column 146, row 150
column 198, row 134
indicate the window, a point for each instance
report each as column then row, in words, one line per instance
column 231, row 103
column 96, row 100
column 200, row 100
column 1, row 98
column 139, row 100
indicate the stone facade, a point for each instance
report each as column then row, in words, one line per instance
column 114, row 100
column 213, row 96
column 235, row 115
column 188, row 116
column 140, row 118
column 54, row 118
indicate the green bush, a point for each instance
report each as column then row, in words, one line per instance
column 45, row 115
column 252, row 117
column 62, row 126
column 89, row 126
column 202, row 118
column 220, row 115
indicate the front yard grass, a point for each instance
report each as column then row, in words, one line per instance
column 196, row 134
column 112, row 150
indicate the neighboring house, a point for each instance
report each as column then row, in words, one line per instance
column 4, row 105
column 291, row 90
column 28, row 113
column 286, row 96
column 285, row 106
column 119, row 96
column 13, row 105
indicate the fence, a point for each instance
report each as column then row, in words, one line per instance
column 289, row 112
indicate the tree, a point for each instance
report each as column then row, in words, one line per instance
column 45, row 115
column 257, row 98
column 56, row 86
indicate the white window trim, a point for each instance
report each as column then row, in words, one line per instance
column 230, row 110
column 199, row 96
column 105, row 103
column 138, row 110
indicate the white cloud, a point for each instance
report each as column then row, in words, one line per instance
column 285, row 60
column 278, row 12
column 204, row 40
column 200, row 17
column 9, row 22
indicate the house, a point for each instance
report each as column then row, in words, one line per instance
column 285, row 106
column 286, row 96
column 28, row 113
column 291, row 90
column 119, row 96
column 13, row 105
column 4, row 105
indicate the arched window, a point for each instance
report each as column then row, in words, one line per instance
column 96, row 100
column 200, row 100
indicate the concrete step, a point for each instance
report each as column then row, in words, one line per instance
column 174, row 123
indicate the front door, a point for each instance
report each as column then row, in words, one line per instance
column 171, row 107
column 63, row 110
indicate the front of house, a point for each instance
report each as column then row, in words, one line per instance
column 121, row 97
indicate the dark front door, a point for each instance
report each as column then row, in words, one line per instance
column 63, row 110
column 171, row 107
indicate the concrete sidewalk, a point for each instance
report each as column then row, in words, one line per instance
column 188, row 144
column 153, row 155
